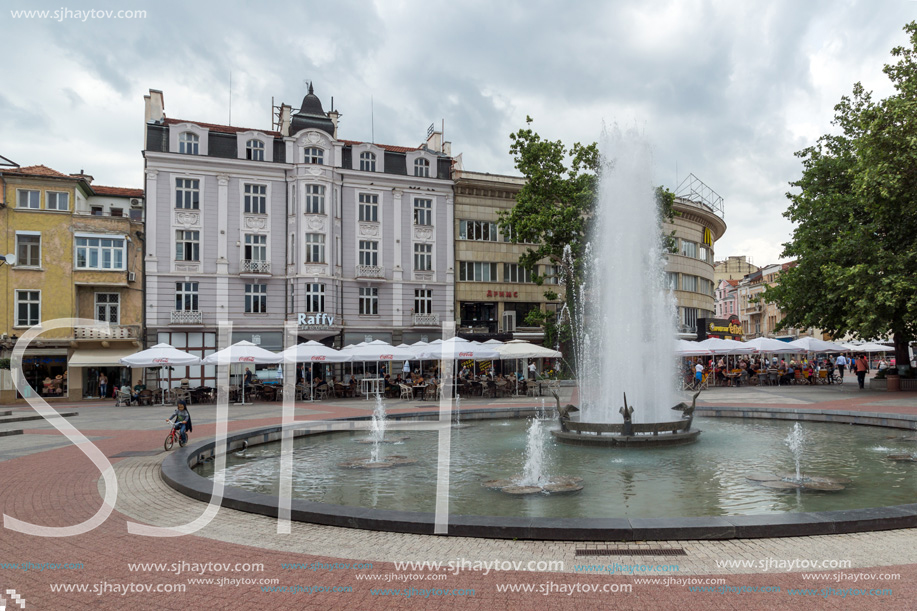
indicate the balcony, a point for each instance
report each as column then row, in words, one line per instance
column 370, row 271
column 255, row 266
column 187, row 317
column 426, row 320
column 113, row 332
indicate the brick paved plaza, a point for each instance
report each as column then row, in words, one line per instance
column 47, row 481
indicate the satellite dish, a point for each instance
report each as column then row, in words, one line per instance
column 10, row 259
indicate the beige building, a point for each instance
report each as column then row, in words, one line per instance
column 733, row 268
column 698, row 224
column 760, row 319
column 493, row 293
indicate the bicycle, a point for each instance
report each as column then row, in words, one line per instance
column 173, row 436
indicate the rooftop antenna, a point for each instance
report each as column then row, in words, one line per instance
column 230, row 97
column 372, row 120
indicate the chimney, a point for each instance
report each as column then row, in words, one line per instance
column 334, row 116
column 285, row 119
column 447, row 148
column 84, row 176
column 155, row 107
column 435, row 141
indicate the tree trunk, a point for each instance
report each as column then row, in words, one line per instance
column 902, row 357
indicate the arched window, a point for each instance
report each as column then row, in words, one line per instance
column 368, row 162
column 313, row 155
column 254, row 150
column 421, row 167
column 188, row 143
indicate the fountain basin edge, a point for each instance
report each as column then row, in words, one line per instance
column 177, row 472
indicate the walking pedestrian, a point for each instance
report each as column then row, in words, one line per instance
column 841, row 363
column 861, row 368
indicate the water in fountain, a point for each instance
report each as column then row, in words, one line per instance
column 796, row 441
column 534, row 456
column 377, row 428
column 625, row 332
column 458, row 404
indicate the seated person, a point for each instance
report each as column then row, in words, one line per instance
column 126, row 390
column 787, row 377
column 320, row 383
column 809, row 373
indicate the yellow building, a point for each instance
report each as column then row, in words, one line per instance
column 77, row 253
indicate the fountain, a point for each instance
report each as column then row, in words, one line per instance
column 377, row 438
column 796, row 442
column 533, row 479
column 623, row 313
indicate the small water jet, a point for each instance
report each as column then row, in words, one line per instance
column 377, row 438
column 796, row 442
column 534, row 479
column 457, row 420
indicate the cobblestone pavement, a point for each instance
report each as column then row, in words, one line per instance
column 48, row 481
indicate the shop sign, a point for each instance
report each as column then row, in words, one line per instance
column 320, row 320
column 493, row 293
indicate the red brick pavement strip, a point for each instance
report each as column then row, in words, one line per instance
column 60, row 487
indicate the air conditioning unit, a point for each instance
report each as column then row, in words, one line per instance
column 509, row 322
column 135, row 203
column 131, row 276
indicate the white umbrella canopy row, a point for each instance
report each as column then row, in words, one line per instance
column 160, row 355
column 243, row 353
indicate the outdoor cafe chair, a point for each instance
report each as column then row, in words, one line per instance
column 406, row 392
column 146, row 397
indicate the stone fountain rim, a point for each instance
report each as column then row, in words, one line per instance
column 177, row 472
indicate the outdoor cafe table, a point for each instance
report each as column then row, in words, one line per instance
column 422, row 388
column 371, row 385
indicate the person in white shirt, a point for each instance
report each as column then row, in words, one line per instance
column 698, row 374
column 840, row 363
column 532, row 370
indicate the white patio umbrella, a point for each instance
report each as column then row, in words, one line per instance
column 160, row 355
column 869, row 347
column 770, row 345
column 684, row 347
column 458, row 348
column 518, row 349
column 243, row 353
column 810, row 344
column 314, row 352
column 495, row 342
column 725, row 346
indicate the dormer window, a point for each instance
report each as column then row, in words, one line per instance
column 254, row 150
column 421, row 167
column 368, row 162
column 188, row 143
column 313, row 155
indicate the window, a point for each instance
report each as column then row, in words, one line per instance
column 108, row 307
column 509, row 234
column 186, row 296
column 315, row 248
column 313, row 155
column 423, row 211
column 423, row 301
column 423, row 257
column 421, row 167
column 57, row 201
column 255, row 247
column 29, row 199
column 315, row 297
column 315, row 199
column 671, row 281
column 117, row 212
column 483, row 231
column 187, row 193
column 28, row 250
column 704, row 286
column 513, row 272
column 688, row 283
column 188, row 143
column 254, row 150
column 369, row 207
column 368, row 161
column 255, row 298
column 552, row 274
column 100, row 253
column 704, row 254
column 96, row 211
column 291, row 252
column 255, row 199
column 369, row 301
column 689, row 318
column 187, row 245
column 369, row 252
column 28, row 308
column 689, row 249
column 473, row 271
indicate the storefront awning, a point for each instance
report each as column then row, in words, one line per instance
column 100, row 357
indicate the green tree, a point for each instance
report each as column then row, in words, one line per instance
column 856, row 218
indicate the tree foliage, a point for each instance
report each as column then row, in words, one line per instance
column 856, row 217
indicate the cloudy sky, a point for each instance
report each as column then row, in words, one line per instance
column 726, row 90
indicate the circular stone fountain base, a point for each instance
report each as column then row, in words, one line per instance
column 627, row 441
column 370, row 441
column 386, row 463
column 902, row 457
column 555, row 485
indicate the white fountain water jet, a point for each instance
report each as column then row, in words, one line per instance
column 532, row 472
column 377, row 429
column 625, row 335
column 458, row 413
column 796, row 441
